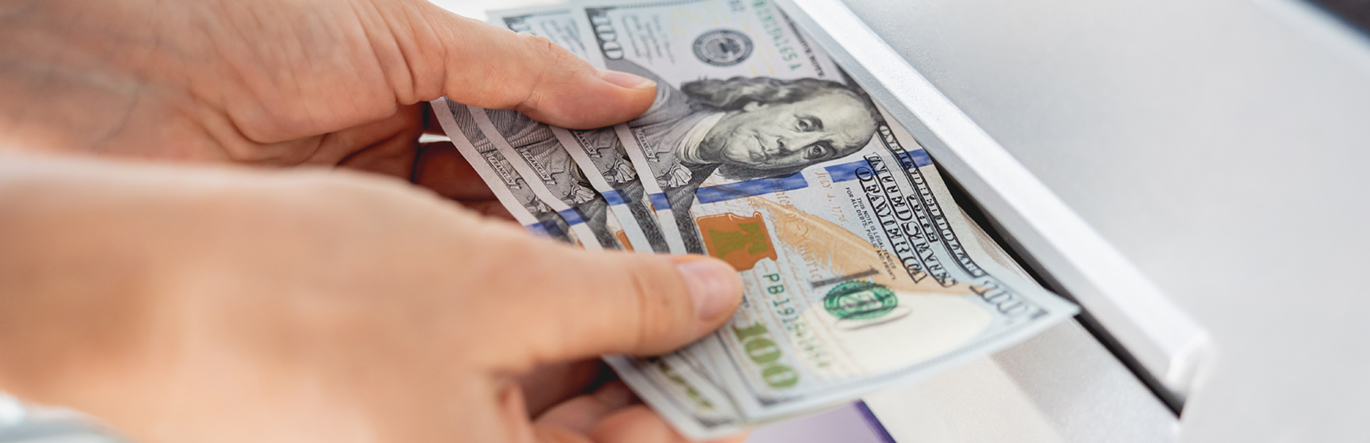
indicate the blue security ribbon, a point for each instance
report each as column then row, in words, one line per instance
column 744, row 189
column 614, row 197
column 572, row 216
column 659, row 201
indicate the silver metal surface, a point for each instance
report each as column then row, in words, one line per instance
column 1060, row 386
column 12, row 411
column 20, row 423
column 1219, row 146
column 1164, row 339
column 845, row 424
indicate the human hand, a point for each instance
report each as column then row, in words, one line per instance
column 222, row 305
column 277, row 82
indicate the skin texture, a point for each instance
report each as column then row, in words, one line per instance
column 777, row 136
column 165, row 272
column 276, row 82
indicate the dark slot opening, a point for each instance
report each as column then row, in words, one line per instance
column 1035, row 269
column 1355, row 13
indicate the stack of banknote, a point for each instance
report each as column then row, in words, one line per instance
column 858, row 269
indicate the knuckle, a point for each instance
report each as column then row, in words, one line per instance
column 552, row 62
column 656, row 316
column 544, row 48
column 638, row 286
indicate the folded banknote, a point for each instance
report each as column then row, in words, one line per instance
column 859, row 270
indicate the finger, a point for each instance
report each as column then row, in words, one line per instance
column 581, row 413
column 552, row 384
column 491, row 67
column 635, row 424
column 585, row 303
column 394, row 155
column 640, row 424
column 389, row 140
column 490, row 208
column 442, row 168
column 512, row 406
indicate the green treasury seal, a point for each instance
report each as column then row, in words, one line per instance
column 860, row 300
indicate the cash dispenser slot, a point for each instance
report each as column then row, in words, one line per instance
column 1172, row 400
column 1158, row 342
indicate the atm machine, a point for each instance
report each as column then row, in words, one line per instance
column 1188, row 172
column 1192, row 173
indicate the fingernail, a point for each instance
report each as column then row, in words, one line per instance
column 624, row 79
column 712, row 284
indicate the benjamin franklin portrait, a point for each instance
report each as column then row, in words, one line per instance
column 745, row 128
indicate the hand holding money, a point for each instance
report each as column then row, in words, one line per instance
column 182, row 303
column 222, row 313
column 277, row 82
column 858, row 269
column 225, row 305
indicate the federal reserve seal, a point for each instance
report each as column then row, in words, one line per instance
column 857, row 304
column 723, row 47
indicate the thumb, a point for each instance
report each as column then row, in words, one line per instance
column 592, row 303
column 491, row 67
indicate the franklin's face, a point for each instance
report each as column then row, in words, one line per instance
column 819, row 128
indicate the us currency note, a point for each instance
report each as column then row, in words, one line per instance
column 858, row 270
column 602, row 158
column 600, row 150
column 495, row 170
column 598, row 155
column 542, row 162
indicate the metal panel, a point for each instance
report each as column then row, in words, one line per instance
column 1167, row 343
column 1219, row 146
column 1060, row 386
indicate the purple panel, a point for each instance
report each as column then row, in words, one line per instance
column 852, row 423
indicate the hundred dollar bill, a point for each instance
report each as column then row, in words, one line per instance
column 495, row 170
column 599, row 157
column 544, row 165
column 603, row 163
column 858, row 269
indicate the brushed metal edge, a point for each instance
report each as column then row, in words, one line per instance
column 1166, row 341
